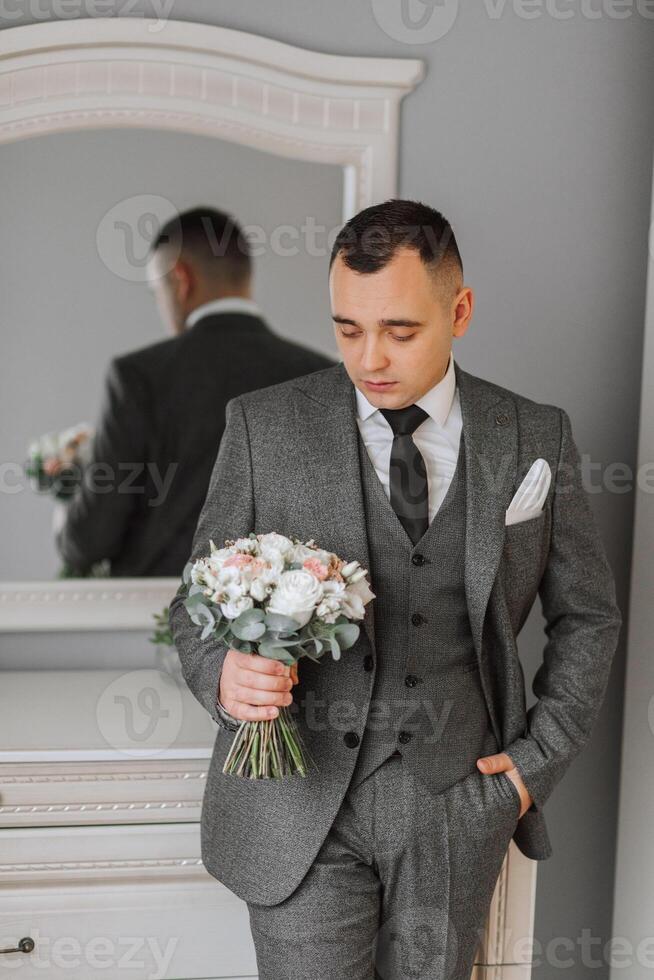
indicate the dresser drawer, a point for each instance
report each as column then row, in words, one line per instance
column 116, row 902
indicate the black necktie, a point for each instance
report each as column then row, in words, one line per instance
column 408, row 476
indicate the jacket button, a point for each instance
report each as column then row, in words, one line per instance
column 418, row 559
column 417, row 619
column 502, row 418
column 351, row 739
column 404, row 737
column 368, row 662
column 411, row 680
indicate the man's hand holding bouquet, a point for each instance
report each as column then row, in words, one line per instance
column 271, row 600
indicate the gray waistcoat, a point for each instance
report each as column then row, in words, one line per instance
column 427, row 700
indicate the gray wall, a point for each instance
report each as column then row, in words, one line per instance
column 534, row 135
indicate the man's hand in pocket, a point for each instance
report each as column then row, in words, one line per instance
column 502, row 762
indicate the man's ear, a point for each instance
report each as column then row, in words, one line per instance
column 183, row 279
column 464, row 304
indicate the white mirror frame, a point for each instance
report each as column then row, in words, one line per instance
column 211, row 81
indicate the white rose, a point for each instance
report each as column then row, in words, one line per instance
column 201, row 574
column 235, row 607
column 302, row 552
column 274, row 544
column 236, row 588
column 258, row 589
column 230, row 577
column 329, row 609
column 332, row 587
column 297, row 594
column 276, row 564
column 352, row 606
column 299, row 553
column 361, row 588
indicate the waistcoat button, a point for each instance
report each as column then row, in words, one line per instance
column 404, row 737
column 411, row 680
column 351, row 739
column 418, row 559
column 417, row 619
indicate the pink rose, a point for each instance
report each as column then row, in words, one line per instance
column 238, row 560
column 316, row 567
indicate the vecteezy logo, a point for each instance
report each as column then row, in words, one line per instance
column 127, row 231
column 415, row 21
column 415, row 943
column 140, row 712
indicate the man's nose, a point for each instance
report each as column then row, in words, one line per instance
column 373, row 358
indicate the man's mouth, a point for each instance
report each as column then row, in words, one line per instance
column 379, row 385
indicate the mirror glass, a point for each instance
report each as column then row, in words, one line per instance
column 81, row 211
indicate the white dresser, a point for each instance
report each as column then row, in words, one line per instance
column 101, row 781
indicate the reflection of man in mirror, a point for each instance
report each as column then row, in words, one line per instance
column 164, row 405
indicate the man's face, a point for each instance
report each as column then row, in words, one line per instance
column 396, row 325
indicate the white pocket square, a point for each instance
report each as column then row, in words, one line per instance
column 530, row 496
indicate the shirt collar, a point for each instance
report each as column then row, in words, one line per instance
column 437, row 402
column 227, row 304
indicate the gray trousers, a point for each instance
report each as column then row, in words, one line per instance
column 401, row 886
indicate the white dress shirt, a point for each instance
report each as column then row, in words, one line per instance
column 437, row 438
column 227, row 304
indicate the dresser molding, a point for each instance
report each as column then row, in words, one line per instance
column 84, row 793
column 84, row 604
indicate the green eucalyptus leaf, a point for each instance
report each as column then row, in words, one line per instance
column 276, row 653
column 201, row 615
column 281, row 623
column 311, row 654
column 248, row 630
column 196, row 596
column 347, row 634
column 336, row 650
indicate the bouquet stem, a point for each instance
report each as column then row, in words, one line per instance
column 268, row 749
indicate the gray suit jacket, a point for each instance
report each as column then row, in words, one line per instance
column 288, row 462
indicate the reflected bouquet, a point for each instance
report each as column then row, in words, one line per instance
column 56, row 460
column 278, row 597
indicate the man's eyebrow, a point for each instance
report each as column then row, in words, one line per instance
column 381, row 323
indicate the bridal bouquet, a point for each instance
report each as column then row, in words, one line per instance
column 277, row 597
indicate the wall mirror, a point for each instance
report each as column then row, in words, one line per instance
column 109, row 127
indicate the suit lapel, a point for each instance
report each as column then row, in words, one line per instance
column 327, row 436
column 491, row 450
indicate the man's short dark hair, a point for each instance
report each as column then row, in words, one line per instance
column 212, row 241
column 370, row 239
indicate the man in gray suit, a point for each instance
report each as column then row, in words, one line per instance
column 383, row 862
